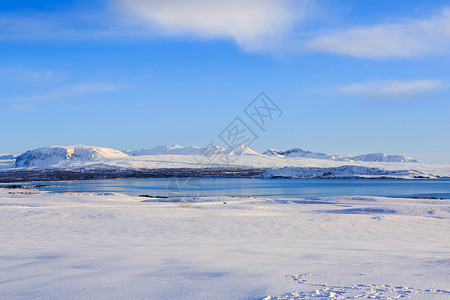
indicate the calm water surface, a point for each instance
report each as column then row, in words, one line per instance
column 272, row 188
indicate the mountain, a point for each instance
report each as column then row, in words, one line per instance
column 347, row 171
column 179, row 150
column 372, row 157
column 56, row 155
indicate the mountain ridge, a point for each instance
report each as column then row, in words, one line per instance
column 370, row 157
column 80, row 155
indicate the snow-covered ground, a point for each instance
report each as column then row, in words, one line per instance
column 111, row 246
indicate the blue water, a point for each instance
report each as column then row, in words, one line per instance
column 272, row 188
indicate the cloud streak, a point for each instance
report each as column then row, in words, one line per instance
column 68, row 91
column 391, row 87
column 76, row 26
column 26, row 78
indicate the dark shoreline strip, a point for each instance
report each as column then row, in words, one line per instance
column 98, row 174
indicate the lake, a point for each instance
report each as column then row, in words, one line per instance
column 271, row 188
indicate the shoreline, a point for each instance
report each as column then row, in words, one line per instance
column 50, row 175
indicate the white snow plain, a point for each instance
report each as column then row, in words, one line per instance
column 112, row 246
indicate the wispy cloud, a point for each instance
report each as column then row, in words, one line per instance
column 25, row 77
column 407, row 39
column 391, row 87
column 67, row 91
column 23, row 107
column 75, row 26
column 24, row 88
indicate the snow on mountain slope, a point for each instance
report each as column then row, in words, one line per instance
column 194, row 150
column 297, row 152
column 273, row 152
column 381, row 157
column 372, row 157
column 56, row 155
column 160, row 150
column 239, row 149
column 7, row 156
column 347, row 171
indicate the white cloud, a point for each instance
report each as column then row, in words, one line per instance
column 410, row 38
column 255, row 25
column 391, row 87
column 251, row 23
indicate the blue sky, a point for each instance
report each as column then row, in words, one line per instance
column 351, row 76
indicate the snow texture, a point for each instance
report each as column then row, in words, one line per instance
column 7, row 156
column 111, row 246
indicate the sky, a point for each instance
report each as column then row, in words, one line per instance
column 350, row 76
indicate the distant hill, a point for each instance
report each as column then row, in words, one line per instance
column 372, row 157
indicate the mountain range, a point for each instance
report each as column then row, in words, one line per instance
column 372, row 157
column 55, row 155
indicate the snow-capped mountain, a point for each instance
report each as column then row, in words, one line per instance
column 347, row 171
column 55, row 155
column 372, row 157
column 237, row 149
